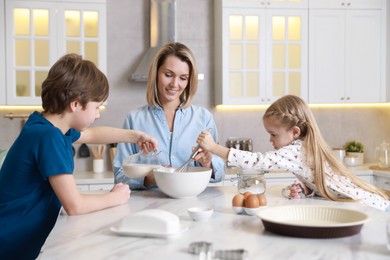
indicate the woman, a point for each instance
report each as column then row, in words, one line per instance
column 170, row 117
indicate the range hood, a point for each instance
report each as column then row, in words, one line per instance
column 162, row 31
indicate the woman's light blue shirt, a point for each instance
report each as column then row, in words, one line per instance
column 176, row 147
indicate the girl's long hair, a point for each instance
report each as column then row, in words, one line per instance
column 292, row 111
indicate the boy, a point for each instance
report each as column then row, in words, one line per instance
column 36, row 177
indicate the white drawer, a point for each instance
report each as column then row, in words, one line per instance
column 382, row 182
column 101, row 186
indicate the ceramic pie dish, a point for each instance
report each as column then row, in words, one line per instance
column 312, row 221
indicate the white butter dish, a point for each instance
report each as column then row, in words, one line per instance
column 150, row 223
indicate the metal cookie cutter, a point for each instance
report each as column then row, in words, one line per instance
column 205, row 251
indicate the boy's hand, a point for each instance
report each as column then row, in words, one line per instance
column 123, row 192
column 147, row 143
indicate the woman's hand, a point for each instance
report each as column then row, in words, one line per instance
column 149, row 180
column 204, row 158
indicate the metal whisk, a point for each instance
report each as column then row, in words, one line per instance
column 184, row 166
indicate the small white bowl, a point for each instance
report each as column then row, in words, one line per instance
column 238, row 210
column 200, row 213
column 253, row 211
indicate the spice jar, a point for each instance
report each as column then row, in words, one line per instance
column 252, row 181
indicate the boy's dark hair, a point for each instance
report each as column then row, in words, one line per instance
column 73, row 79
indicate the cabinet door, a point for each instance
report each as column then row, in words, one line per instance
column 43, row 31
column 266, row 3
column 263, row 56
column 382, row 182
column 30, row 48
column 340, row 69
column 326, row 56
column 364, row 82
column 286, row 50
column 82, row 30
column 107, row 187
column 351, row 4
column 243, row 56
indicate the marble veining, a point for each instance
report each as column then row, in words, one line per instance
column 88, row 236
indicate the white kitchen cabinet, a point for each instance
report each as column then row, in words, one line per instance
column 267, row 3
column 382, row 182
column 347, row 51
column 261, row 51
column 40, row 32
column 90, row 181
column 101, row 186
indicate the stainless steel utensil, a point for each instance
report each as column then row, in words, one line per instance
column 184, row 166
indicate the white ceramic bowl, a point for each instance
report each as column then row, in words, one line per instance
column 253, row 211
column 182, row 185
column 200, row 213
column 135, row 170
column 238, row 210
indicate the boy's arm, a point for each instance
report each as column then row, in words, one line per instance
column 106, row 135
column 76, row 203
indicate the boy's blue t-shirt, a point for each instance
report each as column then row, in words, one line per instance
column 28, row 205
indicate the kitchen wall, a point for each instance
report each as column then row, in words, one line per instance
column 128, row 39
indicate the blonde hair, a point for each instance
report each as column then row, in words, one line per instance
column 182, row 52
column 293, row 111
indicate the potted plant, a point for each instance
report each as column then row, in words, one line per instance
column 354, row 149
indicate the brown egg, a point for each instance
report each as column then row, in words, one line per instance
column 247, row 193
column 238, row 200
column 262, row 199
column 252, row 201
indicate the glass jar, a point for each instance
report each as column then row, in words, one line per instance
column 252, row 181
column 383, row 155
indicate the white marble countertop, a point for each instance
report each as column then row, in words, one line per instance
column 88, row 236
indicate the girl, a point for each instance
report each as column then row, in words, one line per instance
column 301, row 150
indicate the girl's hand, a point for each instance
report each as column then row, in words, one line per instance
column 297, row 190
column 206, row 141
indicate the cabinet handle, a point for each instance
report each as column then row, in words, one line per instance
column 342, row 98
column 342, row 4
column 348, row 4
column 348, row 98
